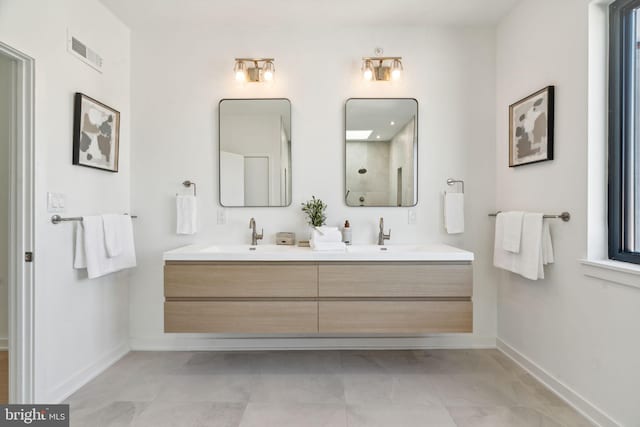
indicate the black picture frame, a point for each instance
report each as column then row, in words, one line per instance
column 96, row 143
column 547, row 97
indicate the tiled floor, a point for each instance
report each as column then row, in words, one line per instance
column 319, row 388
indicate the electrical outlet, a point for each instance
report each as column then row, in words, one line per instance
column 222, row 216
column 55, row 202
column 411, row 217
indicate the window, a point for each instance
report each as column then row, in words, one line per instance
column 624, row 131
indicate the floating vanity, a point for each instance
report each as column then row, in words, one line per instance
column 268, row 289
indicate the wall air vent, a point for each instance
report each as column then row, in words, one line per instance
column 83, row 52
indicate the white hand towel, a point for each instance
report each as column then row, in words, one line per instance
column 326, row 234
column 79, row 259
column 95, row 258
column 454, row 213
column 512, row 223
column 116, row 228
column 186, row 214
column 529, row 262
column 547, row 245
column 501, row 258
column 91, row 251
column 324, row 229
column 328, row 246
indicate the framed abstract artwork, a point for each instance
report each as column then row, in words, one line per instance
column 96, row 134
column 531, row 128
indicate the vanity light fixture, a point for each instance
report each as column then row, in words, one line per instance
column 254, row 69
column 382, row 68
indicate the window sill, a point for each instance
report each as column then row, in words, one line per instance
column 622, row 273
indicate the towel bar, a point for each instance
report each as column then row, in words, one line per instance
column 189, row 183
column 565, row 216
column 57, row 219
column 452, row 181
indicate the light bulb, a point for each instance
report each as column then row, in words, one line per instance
column 396, row 69
column 240, row 71
column 268, row 71
column 367, row 70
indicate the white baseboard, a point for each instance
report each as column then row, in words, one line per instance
column 4, row 344
column 76, row 381
column 566, row 393
column 176, row 342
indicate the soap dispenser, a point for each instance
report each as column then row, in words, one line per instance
column 346, row 233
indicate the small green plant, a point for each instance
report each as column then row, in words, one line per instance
column 315, row 210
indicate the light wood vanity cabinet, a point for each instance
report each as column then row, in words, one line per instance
column 241, row 316
column 321, row 297
column 395, row 316
column 240, row 280
column 395, row 280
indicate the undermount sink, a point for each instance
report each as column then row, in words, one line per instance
column 239, row 249
column 388, row 248
column 221, row 252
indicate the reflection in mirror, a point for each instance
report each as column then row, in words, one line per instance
column 381, row 157
column 255, row 152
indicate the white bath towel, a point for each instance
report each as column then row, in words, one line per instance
column 326, row 234
column 454, row 213
column 512, row 223
column 91, row 251
column 116, row 230
column 186, row 215
column 328, row 246
column 536, row 248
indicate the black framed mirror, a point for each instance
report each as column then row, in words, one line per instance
column 381, row 152
column 255, row 152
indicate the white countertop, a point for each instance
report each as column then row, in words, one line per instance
column 426, row 252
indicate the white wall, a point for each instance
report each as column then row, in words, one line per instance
column 6, row 91
column 179, row 76
column 583, row 332
column 81, row 324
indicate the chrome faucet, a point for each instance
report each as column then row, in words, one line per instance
column 255, row 236
column 381, row 236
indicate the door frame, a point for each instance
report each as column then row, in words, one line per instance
column 22, row 236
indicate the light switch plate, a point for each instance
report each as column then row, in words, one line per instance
column 55, row 202
column 411, row 217
column 222, row 216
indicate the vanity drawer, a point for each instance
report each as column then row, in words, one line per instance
column 241, row 316
column 192, row 280
column 395, row 317
column 453, row 280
